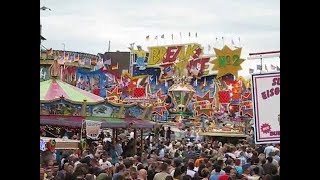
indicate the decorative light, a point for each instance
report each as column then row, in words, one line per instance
column 181, row 92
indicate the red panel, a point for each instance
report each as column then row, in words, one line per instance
column 139, row 92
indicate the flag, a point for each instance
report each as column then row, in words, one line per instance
column 259, row 67
column 189, row 34
column 265, row 67
column 147, row 38
column 273, row 67
column 209, row 47
column 107, row 62
column 180, row 35
column 172, row 36
column 156, row 37
column 196, row 35
column 251, row 71
column 278, row 68
column 162, row 36
column 115, row 67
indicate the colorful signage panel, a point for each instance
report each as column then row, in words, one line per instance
column 266, row 101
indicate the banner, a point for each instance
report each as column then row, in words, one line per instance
column 187, row 57
column 93, row 129
column 266, row 98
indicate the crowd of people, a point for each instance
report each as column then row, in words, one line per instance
column 163, row 159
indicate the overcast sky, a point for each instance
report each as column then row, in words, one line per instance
column 88, row 25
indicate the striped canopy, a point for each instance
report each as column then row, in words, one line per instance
column 54, row 89
column 106, row 122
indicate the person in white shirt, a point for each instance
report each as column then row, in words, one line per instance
column 231, row 155
column 172, row 151
column 268, row 149
column 275, row 149
column 161, row 152
column 167, row 147
column 237, row 152
column 198, row 137
column 104, row 161
column 131, row 135
column 190, row 170
column 277, row 156
column 242, row 158
column 248, row 153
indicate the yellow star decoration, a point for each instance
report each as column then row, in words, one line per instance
column 227, row 61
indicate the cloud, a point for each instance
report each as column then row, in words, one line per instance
column 87, row 26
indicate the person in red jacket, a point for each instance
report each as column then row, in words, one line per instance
column 230, row 172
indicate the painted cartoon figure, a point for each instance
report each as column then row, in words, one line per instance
column 195, row 70
column 168, row 71
column 141, row 54
column 54, row 69
column 81, row 83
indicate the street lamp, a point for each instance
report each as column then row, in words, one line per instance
column 43, row 8
column 64, row 47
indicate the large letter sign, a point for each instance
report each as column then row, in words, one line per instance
column 266, row 98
